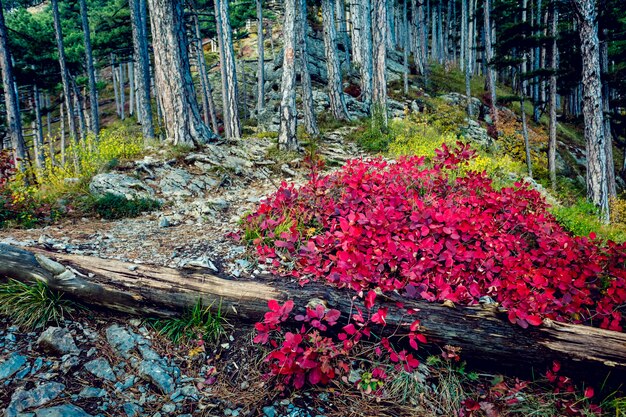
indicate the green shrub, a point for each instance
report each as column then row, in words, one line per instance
column 112, row 206
column 33, row 305
column 581, row 218
column 198, row 322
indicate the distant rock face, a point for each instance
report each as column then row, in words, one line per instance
column 121, row 185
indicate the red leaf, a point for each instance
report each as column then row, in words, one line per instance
column 369, row 299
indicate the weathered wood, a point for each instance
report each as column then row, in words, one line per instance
column 485, row 336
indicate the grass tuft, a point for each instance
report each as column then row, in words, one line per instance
column 34, row 305
column 199, row 322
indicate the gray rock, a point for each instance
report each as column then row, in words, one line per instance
column 154, row 373
column 458, row 99
column 269, row 411
column 168, row 408
column 11, row 365
column 121, row 339
column 36, row 397
column 101, row 368
column 132, row 410
column 65, row 410
column 164, row 222
column 58, row 341
column 121, row 185
column 91, row 392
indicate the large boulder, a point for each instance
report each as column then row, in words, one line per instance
column 120, row 185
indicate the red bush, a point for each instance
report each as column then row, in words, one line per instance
column 437, row 235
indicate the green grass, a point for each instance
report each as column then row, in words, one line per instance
column 581, row 218
column 33, row 305
column 112, row 206
column 198, row 322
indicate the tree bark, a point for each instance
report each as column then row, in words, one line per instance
column 116, row 92
column 342, row 27
column 131, row 87
column 138, row 18
column 121, row 89
column 14, row 122
column 467, row 55
column 287, row 139
column 38, row 139
column 208, row 105
column 183, row 124
column 484, row 335
column 379, row 42
column 490, row 78
column 597, row 181
column 553, row 86
column 355, row 7
column 65, row 77
column 335, row 90
column 606, row 108
column 367, row 64
column 405, row 47
column 310, row 120
column 416, row 18
column 91, row 73
column 529, row 164
column 230, row 94
column 261, row 53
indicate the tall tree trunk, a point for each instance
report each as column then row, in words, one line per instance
column 537, row 65
column 379, row 41
column 287, row 139
column 467, row 54
column 65, row 77
column 14, row 122
column 138, row 18
column 116, row 92
column 208, row 105
column 390, row 30
column 610, row 165
column 183, row 124
column 335, row 90
column 79, row 102
column 91, row 73
column 597, row 181
column 310, row 120
column 242, row 91
column 131, row 87
column 490, row 79
column 63, row 140
column 529, row 163
column 418, row 31
column 356, row 20
column 260, row 104
column 38, row 139
column 121, row 89
column 367, row 65
column 230, row 94
column 405, row 47
column 342, row 27
column 553, row 85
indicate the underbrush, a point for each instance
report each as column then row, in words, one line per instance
column 40, row 196
column 34, row 305
column 197, row 323
column 112, row 206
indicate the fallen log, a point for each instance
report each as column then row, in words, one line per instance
column 486, row 337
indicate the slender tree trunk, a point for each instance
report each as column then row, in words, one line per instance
column 261, row 52
column 287, row 139
column 138, row 18
column 38, row 139
column 63, row 140
column 529, row 164
column 367, row 65
column 116, row 92
column 48, row 114
column 91, row 73
column 553, row 85
column 416, row 12
column 405, row 47
column 208, row 105
column 335, row 90
column 356, row 19
column 610, row 165
column 131, row 88
column 342, row 27
column 183, row 124
column 122, row 90
column 597, row 181
column 229, row 75
column 65, row 77
column 467, row 54
column 390, row 30
column 14, row 122
column 310, row 120
column 379, row 41
column 79, row 103
column 490, row 79
column 537, row 64
column 242, row 91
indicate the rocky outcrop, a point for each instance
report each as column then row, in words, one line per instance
column 119, row 184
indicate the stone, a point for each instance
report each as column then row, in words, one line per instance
column 91, row 392
column 11, row 365
column 58, row 341
column 101, row 368
column 154, row 373
column 36, row 397
column 121, row 339
column 168, row 408
column 132, row 410
column 269, row 411
column 164, row 222
column 65, row 410
column 120, row 185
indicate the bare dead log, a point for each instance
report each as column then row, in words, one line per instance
column 485, row 335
